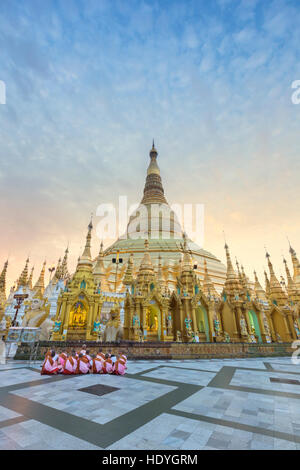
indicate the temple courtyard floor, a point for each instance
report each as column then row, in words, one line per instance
column 170, row 405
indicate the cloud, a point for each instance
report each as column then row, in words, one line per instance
column 90, row 84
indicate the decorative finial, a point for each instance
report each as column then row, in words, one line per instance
column 226, row 246
column 153, row 151
column 267, row 254
column 90, row 226
column 292, row 251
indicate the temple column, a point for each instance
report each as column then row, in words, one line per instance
column 58, row 308
column 210, row 314
column 291, row 325
column 236, row 332
column 143, row 314
column 90, row 317
column 163, row 324
column 66, row 319
column 181, row 320
column 194, row 321
column 288, row 333
column 63, row 312
column 273, row 331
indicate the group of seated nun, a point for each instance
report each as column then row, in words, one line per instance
column 83, row 363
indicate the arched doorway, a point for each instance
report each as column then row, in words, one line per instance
column 202, row 321
column 254, row 324
column 153, row 322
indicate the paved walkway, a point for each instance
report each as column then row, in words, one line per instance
column 188, row 405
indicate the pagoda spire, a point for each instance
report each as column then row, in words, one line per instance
column 64, row 265
column 267, row 283
column 86, row 257
column 259, row 291
column 276, row 291
column 239, row 272
column 39, row 286
column 128, row 276
column 99, row 270
column 58, row 271
column 288, row 274
column 146, row 263
column 230, row 270
column 146, row 275
column 153, row 191
column 292, row 290
column 246, row 282
column 3, row 277
column 296, row 266
column 3, row 284
column 232, row 285
column 23, row 279
column 186, row 264
column 29, row 283
column 160, row 277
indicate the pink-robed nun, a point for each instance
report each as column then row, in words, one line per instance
column 50, row 366
column 101, row 356
column 108, row 366
column 83, row 365
column 61, row 360
column 120, row 367
column 97, row 366
column 124, row 357
column 87, row 354
column 70, row 365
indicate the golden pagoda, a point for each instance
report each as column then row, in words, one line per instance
column 79, row 306
column 156, row 221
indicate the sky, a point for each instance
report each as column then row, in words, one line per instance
column 90, row 83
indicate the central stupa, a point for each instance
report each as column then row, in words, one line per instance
column 165, row 235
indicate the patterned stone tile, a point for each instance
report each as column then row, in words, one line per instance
column 257, row 380
column 66, row 396
column 18, row 375
column 241, row 419
column 182, row 375
column 5, row 414
column 41, row 436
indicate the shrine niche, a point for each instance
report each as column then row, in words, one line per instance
column 153, row 322
column 149, row 317
column 202, row 321
column 78, row 315
column 255, row 329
